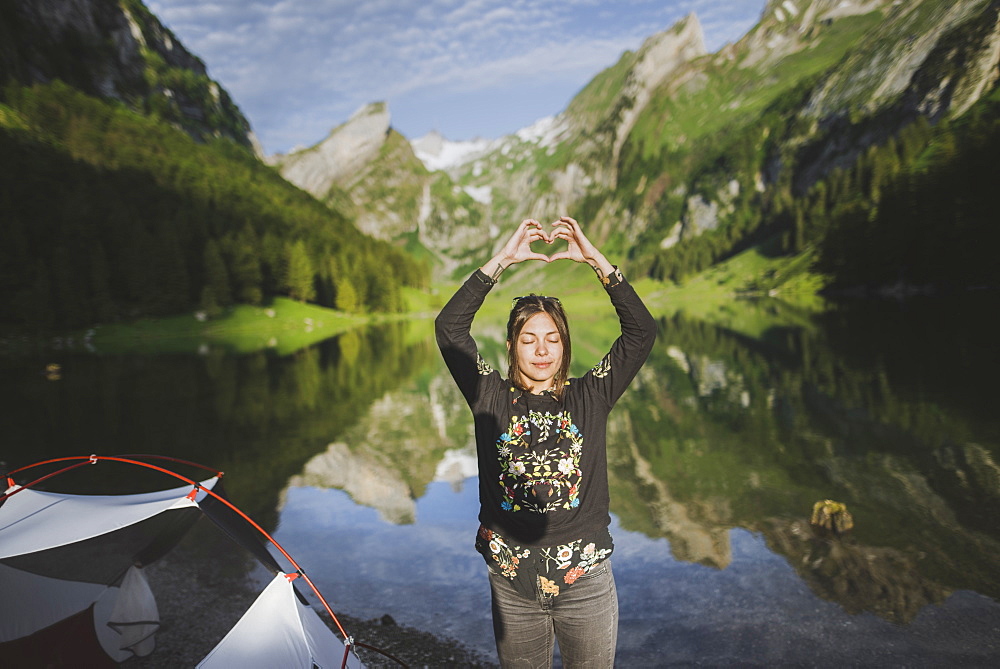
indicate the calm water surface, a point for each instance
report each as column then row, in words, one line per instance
column 359, row 452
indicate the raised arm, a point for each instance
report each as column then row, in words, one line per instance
column 611, row 376
column 453, row 325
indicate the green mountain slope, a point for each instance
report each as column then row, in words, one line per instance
column 117, row 50
column 677, row 160
column 113, row 209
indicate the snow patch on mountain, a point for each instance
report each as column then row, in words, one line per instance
column 439, row 153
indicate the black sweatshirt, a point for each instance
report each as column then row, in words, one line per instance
column 543, row 475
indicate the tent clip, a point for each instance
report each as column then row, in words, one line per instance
column 93, row 458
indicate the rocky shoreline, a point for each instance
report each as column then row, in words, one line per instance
column 201, row 594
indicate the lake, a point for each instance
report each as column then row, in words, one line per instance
column 358, row 453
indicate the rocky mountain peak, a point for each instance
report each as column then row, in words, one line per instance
column 347, row 149
column 658, row 60
column 661, row 55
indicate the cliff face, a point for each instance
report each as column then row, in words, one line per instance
column 903, row 55
column 371, row 173
column 347, row 149
column 661, row 58
column 788, row 26
column 929, row 59
column 117, row 50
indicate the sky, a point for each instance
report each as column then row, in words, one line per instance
column 464, row 68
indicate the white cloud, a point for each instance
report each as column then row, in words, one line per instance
column 299, row 67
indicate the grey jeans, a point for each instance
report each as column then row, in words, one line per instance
column 584, row 618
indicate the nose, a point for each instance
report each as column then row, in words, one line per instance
column 541, row 349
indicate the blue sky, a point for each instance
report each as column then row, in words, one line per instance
column 466, row 68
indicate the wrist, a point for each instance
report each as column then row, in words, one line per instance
column 495, row 267
column 601, row 266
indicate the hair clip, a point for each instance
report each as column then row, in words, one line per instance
column 513, row 303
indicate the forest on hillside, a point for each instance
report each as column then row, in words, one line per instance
column 916, row 209
column 112, row 215
column 867, row 193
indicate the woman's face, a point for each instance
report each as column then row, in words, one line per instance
column 539, row 352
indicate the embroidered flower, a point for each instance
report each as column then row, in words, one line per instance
column 485, row 533
column 539, row 457
column 494, row 546
column 573, row 574
column 564, row 554
column 549, row 587
column 603, row 368
column 575, row 502
column 589, row 549
column 482, row 366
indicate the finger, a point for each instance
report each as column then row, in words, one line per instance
column 566, row 228
column 541, row 233
column 561, row 255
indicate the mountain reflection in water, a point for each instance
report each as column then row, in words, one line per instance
column 360, row 451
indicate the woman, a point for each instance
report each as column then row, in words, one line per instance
column 540, row 437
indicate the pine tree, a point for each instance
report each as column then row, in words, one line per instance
column 244, row 264
column 216, row 277
column 299, row 277
column 346, row 294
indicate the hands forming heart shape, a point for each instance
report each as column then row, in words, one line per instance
column 578, row 249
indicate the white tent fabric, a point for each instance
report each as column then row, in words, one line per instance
column 33, row 602
column 31, row 521
column 278, row 630
column 126, row 618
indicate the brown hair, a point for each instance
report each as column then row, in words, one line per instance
column 524, row 308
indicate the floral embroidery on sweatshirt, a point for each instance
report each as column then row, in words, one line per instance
column 482, row 366
column 602, row 368
column 539, row 458
column 561, row 565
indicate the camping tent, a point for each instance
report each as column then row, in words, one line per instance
column 74, row 591
column 278, row 630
